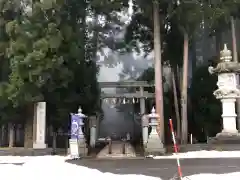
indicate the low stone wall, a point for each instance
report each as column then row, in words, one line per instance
column 29, row 152
column 210, row 147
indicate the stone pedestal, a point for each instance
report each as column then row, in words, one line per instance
column 73, row 148
column 82, row 146
column 229, row 133
column 39, row 128
column 229, row 116
column 154, row 144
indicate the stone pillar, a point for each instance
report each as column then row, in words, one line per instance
column 93, row 130
column 39, row 129
column 145, row 125
column 142, row 101
column 154, row 144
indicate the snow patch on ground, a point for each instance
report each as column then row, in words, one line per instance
column 55, row 167
column 229, row 176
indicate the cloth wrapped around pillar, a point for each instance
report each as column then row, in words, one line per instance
column 73, row 141
column 77, row 142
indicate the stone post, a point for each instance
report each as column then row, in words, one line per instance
column 39, row 126
column 93, row 130
column 145, row 124
column 154, row 144
column 142, row 101
column 227, row 92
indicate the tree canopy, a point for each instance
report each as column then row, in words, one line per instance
column 48, row 53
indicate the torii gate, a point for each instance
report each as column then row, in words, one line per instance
column 141, row 94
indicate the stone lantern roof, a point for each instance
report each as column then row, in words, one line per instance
column 226, row 65
column 226, row 54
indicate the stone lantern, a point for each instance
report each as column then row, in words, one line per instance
column 154, row 144
column 227, row 92
column 77, row 142
column 81, row 138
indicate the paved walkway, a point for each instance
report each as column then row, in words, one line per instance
column 164, row 168
column 117, row 151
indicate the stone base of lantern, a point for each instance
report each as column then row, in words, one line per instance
column 82, row 148
column 39, row 145
column 226, row 138
column 229, row 134
column 154, row 145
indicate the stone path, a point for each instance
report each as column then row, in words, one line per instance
column 117, row 151
column 164, row 168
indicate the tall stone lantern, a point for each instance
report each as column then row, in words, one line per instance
column 227, row 92
column 154, row 145
column 81, row 138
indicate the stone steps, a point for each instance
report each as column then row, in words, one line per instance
column 117, row 151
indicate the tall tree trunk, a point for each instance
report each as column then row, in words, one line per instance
column 234, row 39
column 54, row 142
column 184, row 91
column 158, row 70
column 11, row 135
column 178, row 76
column 235, row 58
column 3, row 135
column 28, row 127
column 176, row 105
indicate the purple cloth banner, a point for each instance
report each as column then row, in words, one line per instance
column 75, row 125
